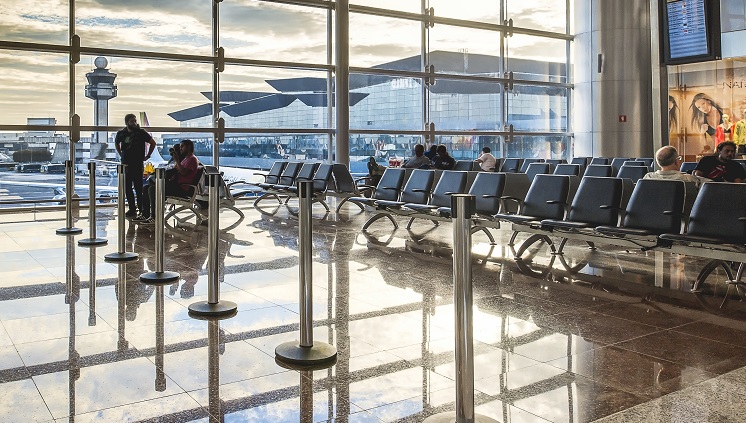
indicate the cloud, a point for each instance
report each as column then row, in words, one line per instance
column 248, row 29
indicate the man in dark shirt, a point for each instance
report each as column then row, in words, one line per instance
column 130, row 144
column 721, row 167
column 443, row 160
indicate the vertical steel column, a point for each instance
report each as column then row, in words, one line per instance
column 342, row 86
column 92, row 239
column 462, row 298
column 159, row 276
column 69, row 190
column 463, row 207
column 305, row 352
column 305, row 270
column 213, row 306
column 121, row 254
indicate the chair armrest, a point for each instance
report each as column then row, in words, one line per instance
column 505, row 199
column 742, row 219
column 235, row 182
column 390, row 188
column 489, row 196
column 564, row 203
column 450, row 193
column 419, row 190
column 609, row 207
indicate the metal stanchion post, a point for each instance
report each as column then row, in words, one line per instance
column 159, row 276
column 121, row 254
column 215, row 404
column 92, row 287
column 122, row 343
column 463, row 206
column 92, row 239
column 305, row 352
column 160, row 338
column 69, row 190
column 213, row 306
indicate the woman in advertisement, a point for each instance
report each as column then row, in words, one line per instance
column 707, row 115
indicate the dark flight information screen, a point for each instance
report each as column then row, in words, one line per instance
column 687, row 28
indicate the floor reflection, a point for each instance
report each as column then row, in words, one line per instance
column 572, row 337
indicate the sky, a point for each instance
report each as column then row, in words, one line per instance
column 35, row 84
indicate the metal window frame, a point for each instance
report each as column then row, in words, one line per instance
column 218, row 59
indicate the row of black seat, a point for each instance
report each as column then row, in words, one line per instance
column 652, row 214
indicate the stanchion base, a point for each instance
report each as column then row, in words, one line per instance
column 205, row 309
column 159, row 278
column 88, row 242
column 69, row 231
column 126, row 256
column 293, row 353
column 450, row 417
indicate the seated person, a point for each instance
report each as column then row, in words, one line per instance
column 721, row 167
column 375, row 171
column 669, row 161
column 419, row 159
column 487, row 161
column 443, row 161
column 432, row 153
column 178, row 185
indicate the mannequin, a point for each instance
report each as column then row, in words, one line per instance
column 723, row 130
column 739, row 134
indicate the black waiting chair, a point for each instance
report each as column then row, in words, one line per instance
column 388, row 189
column 344, row 186
column 537, row 168
column 635, row 173
column 717, row 231
column 567, row 170
column 546, row 199
column 583, row 162
column 599, row 161
column 656, row 207
column 416, row 190
column 450, row 182
column 649, row 162
column 617, row 163
column 598, row 170
column 511, row 165
column 555, row 162
column 688, row 167
column 597, row 203
column 527, row 162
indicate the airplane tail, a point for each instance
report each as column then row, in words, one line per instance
column 144, row 119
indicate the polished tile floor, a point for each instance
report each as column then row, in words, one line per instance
column 606, row 334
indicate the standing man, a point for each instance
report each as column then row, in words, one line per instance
column 130, row 143
column 721, row 167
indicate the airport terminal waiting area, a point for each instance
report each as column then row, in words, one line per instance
column 608, row 297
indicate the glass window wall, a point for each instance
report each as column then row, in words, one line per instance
column 278, row 54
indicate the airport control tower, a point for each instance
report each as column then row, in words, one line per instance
column 100, row 89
